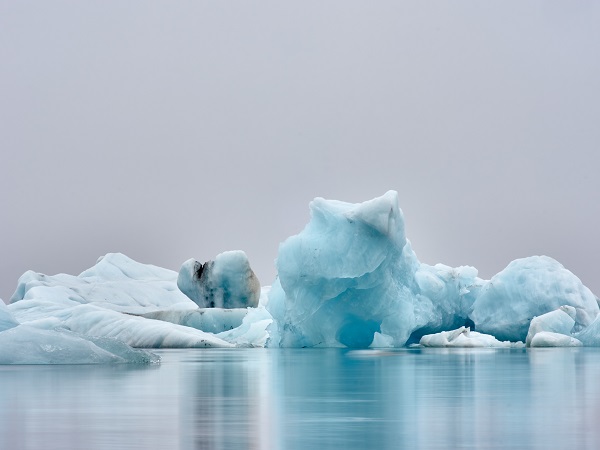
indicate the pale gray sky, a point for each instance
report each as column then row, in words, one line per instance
column 170, row 130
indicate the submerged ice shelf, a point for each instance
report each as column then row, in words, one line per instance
column 350, row 278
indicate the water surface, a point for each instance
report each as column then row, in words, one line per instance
column 310, row 399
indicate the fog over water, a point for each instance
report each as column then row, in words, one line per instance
column 174, row 130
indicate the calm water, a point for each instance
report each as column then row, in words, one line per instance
column 310, row 399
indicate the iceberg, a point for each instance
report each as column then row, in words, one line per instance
column 351, row 273
column 464, row 337
column 226, row 282
column 211, row 320
column 116, row 282
column 527, row 288
column 350, row 278
column 109, row 300
column 25, row 344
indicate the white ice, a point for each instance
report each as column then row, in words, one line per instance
column 550, row 339
column 111, row 299
column 464, row 337
column 115, row 282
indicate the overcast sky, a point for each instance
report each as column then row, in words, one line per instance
column 170, row 130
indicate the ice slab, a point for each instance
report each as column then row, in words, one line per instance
column 464, row 337
column 92, row 320
column 25, row 344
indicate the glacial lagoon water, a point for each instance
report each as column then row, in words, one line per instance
column 310, row 399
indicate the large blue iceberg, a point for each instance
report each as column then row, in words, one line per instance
column 350, row 278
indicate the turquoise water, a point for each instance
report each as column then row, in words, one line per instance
column 310, row 399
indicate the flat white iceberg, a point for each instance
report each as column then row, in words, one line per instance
column 351, row 273
column 464, row 337
column 25, row 344
column 551, row 339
